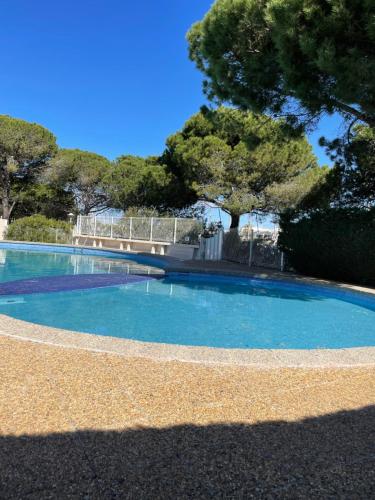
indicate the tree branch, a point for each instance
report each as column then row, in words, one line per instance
column 353, row 111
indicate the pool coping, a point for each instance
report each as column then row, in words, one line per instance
column 257, row 358
column 260, row 358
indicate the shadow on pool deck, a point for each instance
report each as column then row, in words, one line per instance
column 331, row 456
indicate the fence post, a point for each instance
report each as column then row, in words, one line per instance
column 95, row 226
column 130, row 228
column 282, row 263
column 151, row 224
column 220, row 241
column 111, row 228
column 175, row 230
column 251, row 248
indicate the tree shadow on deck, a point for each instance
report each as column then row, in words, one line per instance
column 332, row 456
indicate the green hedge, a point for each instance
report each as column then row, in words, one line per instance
column 336, row 244
column 39, row 228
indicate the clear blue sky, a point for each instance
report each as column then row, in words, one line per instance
column 109, row 76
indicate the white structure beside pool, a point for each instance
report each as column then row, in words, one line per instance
column 176, row 237
column 3, row 227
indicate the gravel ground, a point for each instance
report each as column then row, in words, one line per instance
column 80, row 424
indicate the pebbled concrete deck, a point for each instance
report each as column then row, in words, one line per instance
column 82, row 416
column 258, row 358
column 81, row 424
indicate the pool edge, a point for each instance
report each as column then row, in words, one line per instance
column 262, row 358
column 354, row 357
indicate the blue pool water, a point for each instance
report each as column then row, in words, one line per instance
column 198, row 310
column 23, row 264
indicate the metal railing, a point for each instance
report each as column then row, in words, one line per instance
column 156, row 229
column 254, row 251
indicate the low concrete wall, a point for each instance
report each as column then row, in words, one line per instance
column 178, row 251
column 3, row 228
column 182, row 252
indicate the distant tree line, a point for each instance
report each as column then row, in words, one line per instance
column 240, row 161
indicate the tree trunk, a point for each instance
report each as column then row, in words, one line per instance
column 5, row 193
column 235, row 221
column 5, row 208
column 354, row 112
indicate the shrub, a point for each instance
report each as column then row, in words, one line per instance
column 39, row 228
column 333, row 243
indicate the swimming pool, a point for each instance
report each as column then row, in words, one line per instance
column 174, row 308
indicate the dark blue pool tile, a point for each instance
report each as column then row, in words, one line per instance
column 69, row 282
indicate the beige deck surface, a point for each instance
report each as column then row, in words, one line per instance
column 79, row 424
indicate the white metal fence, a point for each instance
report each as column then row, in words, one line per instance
column 256, row 251
column 156, row 229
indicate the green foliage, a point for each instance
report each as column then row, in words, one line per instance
column 332, row 243
column 142, row 212
column 266, row 55
column 331, row 231
column 39, row 228
column 24, row 149
column 300, row 191
column 360, row 166
column 133, row 181
column 354, row 169
column 42, row 199
column 325, row 193
column 81, row 174
column 240, row 161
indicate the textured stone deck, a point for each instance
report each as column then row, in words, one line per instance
column 80, row 424
column 258, row 358
column 137, row 422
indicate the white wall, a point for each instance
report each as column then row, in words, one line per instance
column 3, row 227
column 211, row 248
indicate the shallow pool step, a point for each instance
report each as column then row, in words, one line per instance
column 48, row 284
